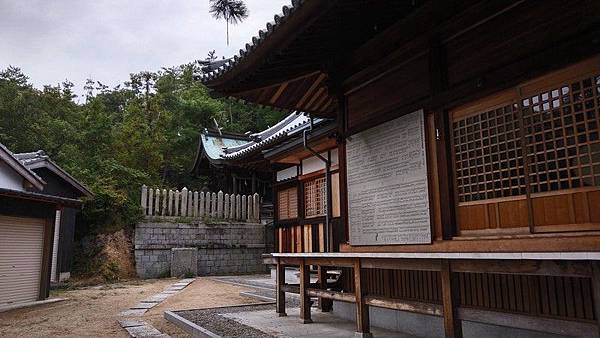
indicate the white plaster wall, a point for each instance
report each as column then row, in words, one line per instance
column 10, row 179
column 287, row 173
column 313, row 163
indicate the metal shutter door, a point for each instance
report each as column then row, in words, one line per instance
column 21, row 247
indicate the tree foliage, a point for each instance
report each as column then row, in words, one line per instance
column 144, row 131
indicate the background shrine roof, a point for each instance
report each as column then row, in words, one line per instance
column 214, row 143
column 293, row 124
column 39, row 159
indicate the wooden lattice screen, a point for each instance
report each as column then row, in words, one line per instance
column 288, row 203
column 554, row 121
column 315, row 198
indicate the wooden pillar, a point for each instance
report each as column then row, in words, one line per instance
column 452, row 325
column 253, row 182
column 280, row 280
column 304, row 297
column 596, row 290
column 324, row 304
column 363, row 328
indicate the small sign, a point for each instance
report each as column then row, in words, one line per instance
column 388, row 198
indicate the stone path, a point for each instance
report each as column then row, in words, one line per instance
column 139, row 328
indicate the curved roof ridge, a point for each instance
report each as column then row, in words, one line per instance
column 263, row 34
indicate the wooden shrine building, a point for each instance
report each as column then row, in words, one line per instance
column 466, row 153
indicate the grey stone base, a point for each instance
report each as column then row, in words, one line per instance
column 429, row 326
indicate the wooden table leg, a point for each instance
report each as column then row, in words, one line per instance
column 363, row 328
column 304, row 297
column 280, row 279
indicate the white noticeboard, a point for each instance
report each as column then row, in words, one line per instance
column 388, row 199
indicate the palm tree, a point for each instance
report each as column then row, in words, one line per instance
column 233, row 11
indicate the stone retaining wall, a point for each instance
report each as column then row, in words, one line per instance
column 223, row 248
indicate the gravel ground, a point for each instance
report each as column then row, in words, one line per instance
column 211, row 320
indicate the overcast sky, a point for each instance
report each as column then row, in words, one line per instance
column 106, row 40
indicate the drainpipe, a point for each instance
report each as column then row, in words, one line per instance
column 327, row 161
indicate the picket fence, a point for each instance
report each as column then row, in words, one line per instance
column 186, row 203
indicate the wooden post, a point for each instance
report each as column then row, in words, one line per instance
column 144, row 202
column 280, row 280
column 201, row 204
column 256, row 207
column 452, row 325
column 184, row 197
column 196, row 204
column 362, row 309
column 213, row 205
column 596, row 290
column 170, row 203
column 207, row 207
column 324, row 304
column 304, row 297
column 150, row 201
column 157, row 202
column 250, row 209
column 164, row 203
column 238, row 206
column 243, row 216
column 190, row 205
column 226, row 200
column 220, row 204
column 176, row 210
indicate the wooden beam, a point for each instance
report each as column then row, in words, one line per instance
column 310, row 90
column 334, row 295
column 362, row 309
column 524, row 267
column 280, row 292
column 291, row 288
column 304, row 296
column 452, row 325
column 279, row 91
column 337, row 262
column 548, row 325
column 405, row 305
column 402, row 264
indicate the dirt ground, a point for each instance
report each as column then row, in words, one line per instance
column 94, row 311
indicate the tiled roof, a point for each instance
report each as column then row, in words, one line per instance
column 263, row 34
column 19, row 167
column 39, row 159
column 291, row 125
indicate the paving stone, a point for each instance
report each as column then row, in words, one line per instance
column 134, row 312
column 125, row 323
column 155, row 299
column 144, row 306
column 187, row 280
column 143, row 331
column 170, row 292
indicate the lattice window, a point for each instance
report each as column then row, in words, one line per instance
column 315, row 198
column 488, row 156
column 562, row 136
column 288, row 203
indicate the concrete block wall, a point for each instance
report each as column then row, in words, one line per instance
column 223, row 248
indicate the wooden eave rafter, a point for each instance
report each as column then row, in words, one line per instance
column 274, row 72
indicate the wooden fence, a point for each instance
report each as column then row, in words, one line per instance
column 187, row 203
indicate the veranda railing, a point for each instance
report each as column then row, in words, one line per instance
column 186, row 203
